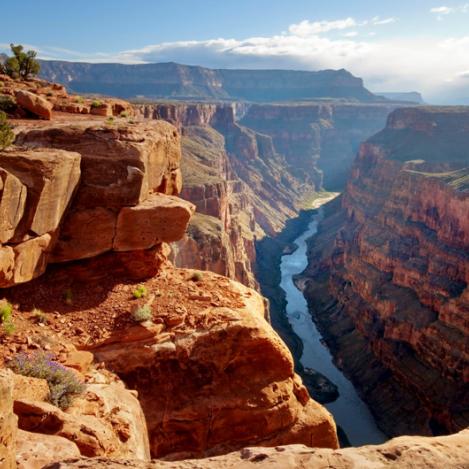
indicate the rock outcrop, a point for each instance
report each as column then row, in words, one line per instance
column 402, row 453
column 76, row 190
column 388, row 274
column 198, row 381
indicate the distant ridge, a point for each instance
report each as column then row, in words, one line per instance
column 176, row 81
column 413, row 97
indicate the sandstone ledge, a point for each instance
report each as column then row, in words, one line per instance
column 409, row 452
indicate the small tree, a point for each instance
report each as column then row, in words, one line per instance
column 22, row 64
column 6, row 134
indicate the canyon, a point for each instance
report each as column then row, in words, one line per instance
column 249, row 168
column 388, row 273
column 178, row 200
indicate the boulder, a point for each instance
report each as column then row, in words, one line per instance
column 85, row 233
column 51, row 177
column 35, row 104
column 12, row 203
column 121, row 163
column 35, row 450
column 158, row 219
column 30, row 259
column 106, row 420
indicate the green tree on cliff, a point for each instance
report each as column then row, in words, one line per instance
column 6, row 134
column 21, row 64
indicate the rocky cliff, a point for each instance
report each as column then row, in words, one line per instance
column 172, row 80
column 387, row 280
column 88, row 206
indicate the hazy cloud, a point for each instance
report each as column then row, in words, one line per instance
column 436, row 67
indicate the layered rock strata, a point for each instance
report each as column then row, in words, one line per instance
column 76, row 190
column 388, row 274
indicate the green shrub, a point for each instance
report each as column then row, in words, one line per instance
column 49, row 93
column 79, row 99
column 6, row 319
column 21, row 64
column 140, row 291
column 39, row 316
column 110, row 120
column 96, row 103
column 7, row 137
column 124, row 114
column 6, row 311
column 63, row 383
column 7, row 104
column 197, row 277
column 142, row 314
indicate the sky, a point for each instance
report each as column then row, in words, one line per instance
column 399, row 45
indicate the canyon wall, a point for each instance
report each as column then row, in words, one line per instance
column 248, row 177
column 387, row 280
column 318, row 140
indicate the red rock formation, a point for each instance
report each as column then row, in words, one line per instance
column 398, row 273
column 403, row 453
column 199, row 381
column 106, row 193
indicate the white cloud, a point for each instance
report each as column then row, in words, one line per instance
column 307, row 28
column 436, row 67
column 442, row 10
column 445, row 10
column 378, row 21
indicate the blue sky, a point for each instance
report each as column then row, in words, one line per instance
column 394, row 45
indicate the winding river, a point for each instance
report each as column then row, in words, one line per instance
column 349, row 411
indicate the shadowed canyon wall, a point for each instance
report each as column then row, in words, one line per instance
column 387, row 280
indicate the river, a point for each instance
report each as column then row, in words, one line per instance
column 349, row 411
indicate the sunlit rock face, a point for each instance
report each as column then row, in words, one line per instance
column 388, row 273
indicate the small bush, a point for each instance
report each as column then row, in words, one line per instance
column 131, row 121
column 140, row 291
column 142, row 314
column 7, row 137
column 6, row 319
column 79, row 99
column 49, row 93
column 6, row 311
column 39, row 316
column 7, row 104
column 110, row 120
column 63, row 383
column 197, row 277
column 124, row 114
column 96, row 103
